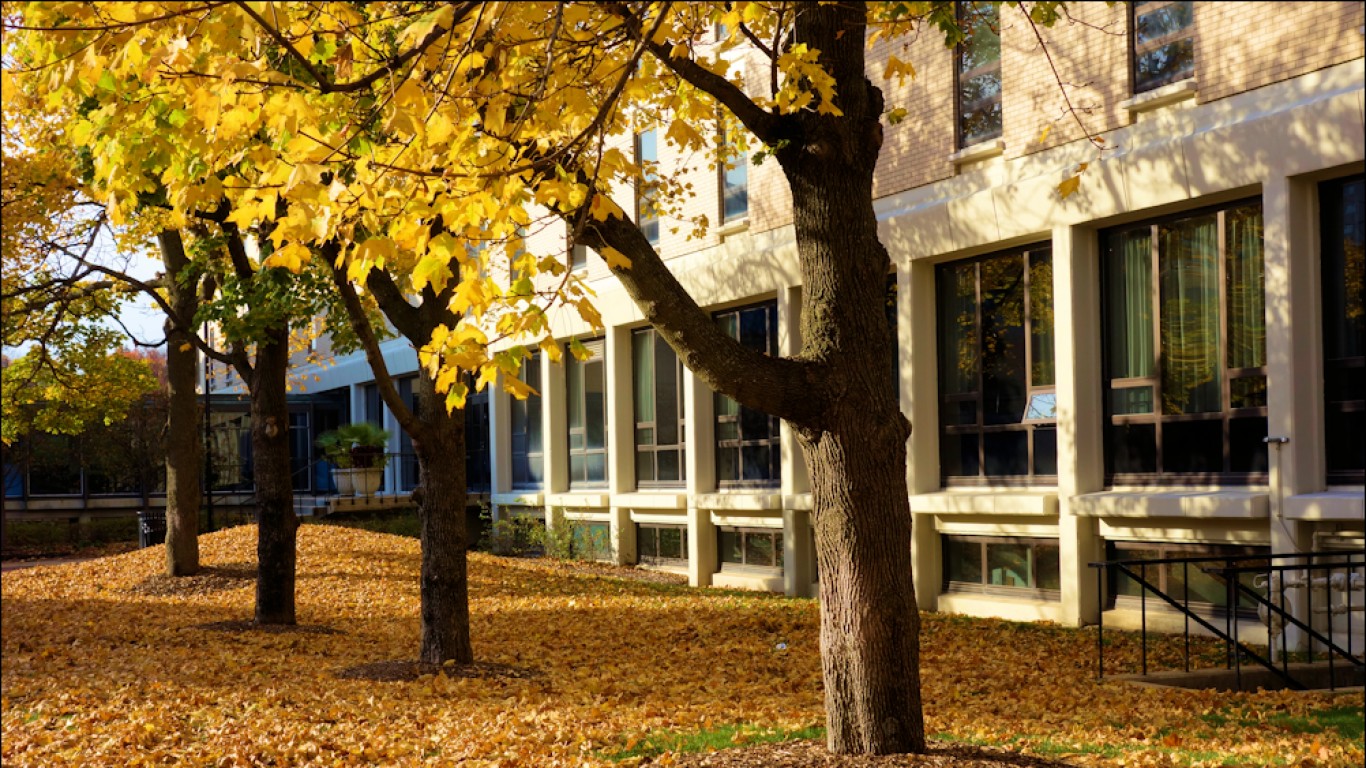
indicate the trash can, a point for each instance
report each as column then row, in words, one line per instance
column 151, row 528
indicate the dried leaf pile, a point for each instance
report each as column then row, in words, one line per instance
column 108, row 662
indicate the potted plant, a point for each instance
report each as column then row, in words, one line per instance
column 358, row 451
column 339, row 456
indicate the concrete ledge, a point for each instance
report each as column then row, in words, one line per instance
column 753, row 581
column 647, row 500
column 986, row 503
column 578, row 499
column 800, row 501
column 660, row 518
column 1347, row 506
column 979, row 151
column 1239, row 505
column 994, row 606
column 1161, row 97
column 742, row 501
column 518, row 499
column 748, row 521
column 594, row 517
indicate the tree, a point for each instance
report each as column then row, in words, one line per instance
column 399, row 132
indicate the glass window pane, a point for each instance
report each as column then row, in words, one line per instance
column 1246, row 451
column 1003, row 361
column 1045, row 450
column 1193, row 446
column 728, row 464
column 1189, row 301
column 1172, row 17
column 666, row 392
column 574, row 394
column 647, row 541
column 958, row 456
column 981, row 37
column 753, row 424
column 754, row 328
column 671, row 542
column 728, row 430
column 643, row 367
column 979, row 110
column 757, row 462
column 1245, row 295
column 1129, row 304
column 670, row 468
column 1131, row 400
column 957, row 303
column 1124, row 585
column 1132, row 448
column 1007, row 453
column 577, row 467
column 595, row 404
column 1344, row 270
column 963, row 559
column 731, row 551
column 759, row 549
column 1047, row 570
column 1247, row 392
column 1167, row 64
column 1008, row 565
column 1043, row 369
column 645, row 466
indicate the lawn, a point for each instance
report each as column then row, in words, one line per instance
column 107, row 662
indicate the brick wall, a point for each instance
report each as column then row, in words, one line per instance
column 916, row 151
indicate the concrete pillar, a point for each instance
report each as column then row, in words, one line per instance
column 621, row 441
column 554, row 426
column 798, row 554
column 1294, row 350
column 1081, row 448
column 919, row 386
column 700, row 415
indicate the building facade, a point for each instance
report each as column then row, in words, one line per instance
column 1168, row 361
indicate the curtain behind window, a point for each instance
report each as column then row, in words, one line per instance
column 1189, row 315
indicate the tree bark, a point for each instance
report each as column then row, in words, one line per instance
column 184, row 451
column 440, row 447
column 277, row 523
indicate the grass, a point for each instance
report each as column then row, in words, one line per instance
column 1349, row 722
column 711, row 739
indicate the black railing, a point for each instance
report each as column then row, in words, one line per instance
column 1333, row 571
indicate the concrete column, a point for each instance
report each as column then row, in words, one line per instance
column 798, row 554
column 621, row 441
column 1294, row 351
column 700, row 415
column 919, row 386
column 554, row 425
column 1081, row 449
column 1294, row 364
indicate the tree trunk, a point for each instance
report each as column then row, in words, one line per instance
column 445, row 581
column 184, row 452
column 277, row 523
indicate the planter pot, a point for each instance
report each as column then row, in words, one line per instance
column 367, row 481
column 342, row 478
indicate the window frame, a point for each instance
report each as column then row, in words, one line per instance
column 653, row 448
column 1114, row 550
column 960, row 77
column 1032, row 592
column 1176, row 36
column 653, row 530
column 1227, row 374
column 738, row 444
column 745, row 531
column 980, row 429
column 598, row 346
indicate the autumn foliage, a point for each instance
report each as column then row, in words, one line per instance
column 109, row 662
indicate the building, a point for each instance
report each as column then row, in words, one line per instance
column 1089, row 377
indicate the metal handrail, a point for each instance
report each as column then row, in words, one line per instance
column 1236, row 649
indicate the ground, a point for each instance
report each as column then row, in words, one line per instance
column 108, row 662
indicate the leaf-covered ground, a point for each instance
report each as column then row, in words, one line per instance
column 107, row 662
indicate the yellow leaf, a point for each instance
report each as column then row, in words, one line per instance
column 1069, row 186
column 616, row 259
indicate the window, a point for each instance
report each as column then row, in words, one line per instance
column 477, row 471
column 1184, row 347
column 747, row 452
column 751, row 547
column 1343, row 205
column 408, row 469
column 1181, row 582
column 647, row 212
column 996, row 368
column 528, row 457
column 578, row 256
column 1007, row 566
column 978, row 84
column 658, row 377
column 734, row 178
column 587, row 415
column 662, row 544
column 1164, row 43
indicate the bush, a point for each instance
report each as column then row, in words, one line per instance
column 523, row 535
